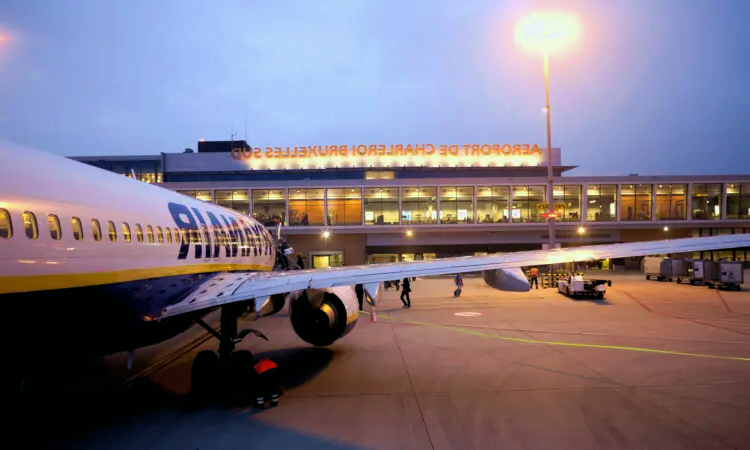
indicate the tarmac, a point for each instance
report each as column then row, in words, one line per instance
column 652, row 365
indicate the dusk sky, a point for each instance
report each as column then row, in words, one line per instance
column 653, row 87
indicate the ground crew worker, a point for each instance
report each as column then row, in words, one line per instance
column 269, row 386
column 360, row 290
column 406, row 288
column 459, row 282
column 534, row 277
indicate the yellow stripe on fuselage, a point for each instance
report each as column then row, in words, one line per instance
column 9, row 285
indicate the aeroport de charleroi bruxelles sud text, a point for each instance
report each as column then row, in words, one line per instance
column 455, row 150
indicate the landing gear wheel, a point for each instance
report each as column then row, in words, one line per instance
column 204, row 376
column 692, row 282
column 242, row 377
column 648, row 277
column 600, row 295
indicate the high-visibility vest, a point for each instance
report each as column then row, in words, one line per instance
column 265, row 364
column 534, row 272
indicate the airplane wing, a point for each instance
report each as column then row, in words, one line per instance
column 232, row 287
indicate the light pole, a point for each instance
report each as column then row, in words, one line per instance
column 550, row 172
column 541, row 30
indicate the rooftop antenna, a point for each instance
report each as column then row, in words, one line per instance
column 231, row 139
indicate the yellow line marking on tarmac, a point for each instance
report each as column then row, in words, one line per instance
column 567, row 344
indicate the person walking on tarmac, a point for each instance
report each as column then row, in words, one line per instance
column 405, row 289
column 534, row 277
column 360, row 290
column 269, row 386
column 459, row 281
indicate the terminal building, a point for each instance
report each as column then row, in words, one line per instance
column 357, row 204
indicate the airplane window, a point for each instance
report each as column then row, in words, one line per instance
column 139, row 232
column 126, row 232
column 6, row 228
column 159, row 234
column 112, row 231
column 195, row 236
column 96, row 230
column 184, row 234
column 29, row 225
column 77, row 227
column 54, row 227
column 168, row 232
column 150, row 232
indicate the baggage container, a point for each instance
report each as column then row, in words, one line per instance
column 673, row 268
column 695, row 269
column 724, row 274
column 651, row 266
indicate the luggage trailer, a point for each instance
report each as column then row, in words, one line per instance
column 577, row 286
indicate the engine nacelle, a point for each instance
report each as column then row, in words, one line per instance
column 321, row 316
column 512, row 280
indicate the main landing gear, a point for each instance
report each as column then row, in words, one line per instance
column 229, row 374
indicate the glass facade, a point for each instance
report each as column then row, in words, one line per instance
column 602, row 202
column 671, row 201
column 418, row 205
column 706, row 201
column 198, row 195
column 492, row 204
column 269, row 206
column 635, row 202
column 306, row 207
column 344, row 206
column 738, row 201
column 569, row 197
column 236, row 199
column 381, row 206
column 528, row 203
column 456, row 204
column 430, row 205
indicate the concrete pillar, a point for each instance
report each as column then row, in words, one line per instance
column 689, row 201
column 653, row 202
column 585, row 203
column 723, row 201
column 474, row 203
column 510, row 203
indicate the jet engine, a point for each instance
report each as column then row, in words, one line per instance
column 512, row 280
column 321, row 316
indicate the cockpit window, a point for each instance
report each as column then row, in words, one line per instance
column 139, row 232
column 159, row 234
column 96, row 230
column 29, row 225
column 112, row 231
column 150, row 232
column 126, row 232
column 6, row 227
column 77, row 227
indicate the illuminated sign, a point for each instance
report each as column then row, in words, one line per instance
column 398, row 155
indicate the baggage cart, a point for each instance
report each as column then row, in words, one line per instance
column 724, row 274
column 651, row 267
column 674, row 268
column 695, row 271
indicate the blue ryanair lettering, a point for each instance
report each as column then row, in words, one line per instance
column 184, row 221
column 219, row 235
column 232, row 234
column 240, row 235
column 252, row 238
column 206, row 236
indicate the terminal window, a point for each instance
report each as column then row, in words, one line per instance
column 636, row 202
column 236, row 199
column 671, row 201
column 456, row 204
column 570, row 199
column 706, row 201
column 344, row 206
column 381, row 206
column 528, row 201
column 602, row 202
column 379, row 175
column 306, row 207
column 738, row 201
column 198, row 195
column 492, row 204
column 269, row 206
column 418, row 205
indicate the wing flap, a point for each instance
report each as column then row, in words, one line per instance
column 235, row 287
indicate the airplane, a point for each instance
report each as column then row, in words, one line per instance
column 94, row 263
